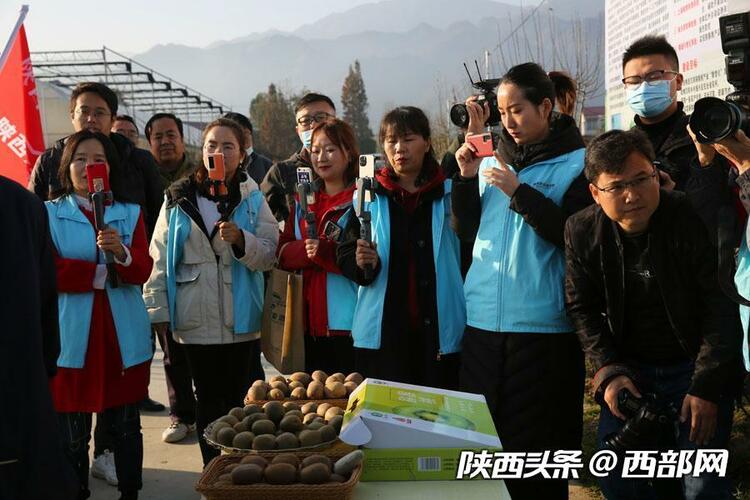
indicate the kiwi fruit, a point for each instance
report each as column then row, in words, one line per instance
column 230, row 419
column 291, row 423
column 309, row 438
column 298, row 393
column 243, row 440
column 290, row 406
column 216, row 427
column 294, row 384
column 336, row 421
column 297, row 413
column 286, row 441
column 281, row 473
column 327, row 433
column 225, row 478
column 315, row 424
column 286, row 458
column 247, row 474
column 336, row 478
column 310, row 418
column 256, row 393
column 237, row 413
column 264, row 442
column 335, row 390
column 332, row 412
column 319, row 376
column 240, row 426
column 350, row 387
column 337, row 377
column 276, row 395
column 346, row 464
column 254, row 459
column 316, row 390
column 323, row 408
column 229, row 468
column 280, row 386
column 263, row 427
column 301, row 377
column 315, row 474
column 274, row 410
column 251, row 409
column 225, row 436
column 314, row 459
column 277, row 378
column 355, row 377
column 312, row 406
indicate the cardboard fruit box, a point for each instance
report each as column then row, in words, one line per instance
column 413, row 433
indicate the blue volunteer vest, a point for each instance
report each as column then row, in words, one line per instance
column 451, row 307
column 515, row 283
column 341, row 292
column 742, row 280
column 75, row 238
column 247, row 285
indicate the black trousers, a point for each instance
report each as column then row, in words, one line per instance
column 330, row 354
column 533, row 384
column 125, row 421
column 179, row 381
column 221, row 373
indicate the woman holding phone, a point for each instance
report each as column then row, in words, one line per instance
column 329, row 296
column 210, row 252
column 105, row 336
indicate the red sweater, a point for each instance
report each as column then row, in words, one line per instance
column 293, row 257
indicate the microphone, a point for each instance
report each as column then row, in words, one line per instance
column 101, row 196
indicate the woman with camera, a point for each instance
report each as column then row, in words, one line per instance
column 410, row 311
column 309, row 243
column 105, row 336
column 519, row 348
column 210, row 250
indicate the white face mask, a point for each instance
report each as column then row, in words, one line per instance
column 250, row 150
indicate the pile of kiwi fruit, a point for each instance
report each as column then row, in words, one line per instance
column 301, row 385
column 277, row 426
column 288, row 468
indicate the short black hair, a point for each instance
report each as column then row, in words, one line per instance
column 243, row 120
column 97, row 88
column 310, row 98
column 159, row 116
column 650, row 45
column 127, row 118
column 606, row 153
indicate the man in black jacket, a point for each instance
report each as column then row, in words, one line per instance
column 93, row 106
column 281, row 180
column 642, row 291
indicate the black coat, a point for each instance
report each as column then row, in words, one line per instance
column 139, row 178
column 32, row 464
column 685, row 264
column 280, row 183
column 257, row 166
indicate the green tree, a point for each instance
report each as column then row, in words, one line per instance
column 354, row 99
column 272, row 114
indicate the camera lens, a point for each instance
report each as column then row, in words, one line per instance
column 459, row 115
column 713, row 119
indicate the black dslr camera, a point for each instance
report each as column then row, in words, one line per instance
column 713, row 119
column 459, row 115
column 648, row 420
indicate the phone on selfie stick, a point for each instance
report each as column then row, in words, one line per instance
column 100, row 196
column 307, row 197
column 366, row 184
column 217, row 183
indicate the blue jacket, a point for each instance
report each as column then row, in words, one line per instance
column 341, row 292
column 515, row 283
column 75, row 238
column 368, row 314
column 742, row 280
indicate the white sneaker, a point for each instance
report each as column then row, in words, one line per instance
column 104, row 468
column 176, row 432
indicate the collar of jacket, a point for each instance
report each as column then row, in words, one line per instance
column 69, row 209
column 678, row 136
column 563, row 137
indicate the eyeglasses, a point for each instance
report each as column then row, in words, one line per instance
column 86, row 112
column 307, row 120
column 652, row 78
column 227, row 149
column 618, row 188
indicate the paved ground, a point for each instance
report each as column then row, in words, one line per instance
column 170, row 471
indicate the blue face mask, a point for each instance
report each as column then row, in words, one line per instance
column 306, row 138
column 650, row 100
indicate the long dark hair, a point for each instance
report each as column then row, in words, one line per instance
column 342, row 135
column 110, row 152
column 405, row 120
column 533, row 81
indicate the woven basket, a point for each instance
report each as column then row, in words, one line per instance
column 341, row 403
column 265, row 491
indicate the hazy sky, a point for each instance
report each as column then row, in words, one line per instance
column 134, row 26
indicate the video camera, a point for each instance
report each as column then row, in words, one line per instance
column 713, row 119
column 459, row 115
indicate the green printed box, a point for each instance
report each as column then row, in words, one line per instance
column 412, row 432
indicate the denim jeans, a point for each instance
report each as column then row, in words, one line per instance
column 671, row 383
column 75, row 432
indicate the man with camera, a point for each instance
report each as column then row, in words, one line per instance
column 642, row 291
column 280, row 182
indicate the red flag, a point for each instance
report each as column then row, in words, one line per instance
column 21, row 139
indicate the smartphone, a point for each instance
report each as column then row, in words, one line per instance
column 305, row 177
column 98, row 180
column 369, row 164
column 483, row 143
column 216, row 171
